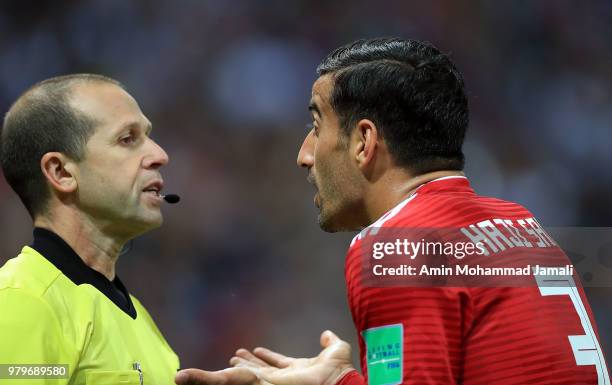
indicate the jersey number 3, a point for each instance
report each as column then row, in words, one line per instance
column 585, row 347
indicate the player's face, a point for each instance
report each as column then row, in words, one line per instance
column 118, row 179
column 325, row 153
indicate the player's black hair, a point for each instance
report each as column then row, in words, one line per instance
column 42, row 121
column 410, row 90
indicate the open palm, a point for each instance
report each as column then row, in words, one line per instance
column 265, row 367
column 277, row 369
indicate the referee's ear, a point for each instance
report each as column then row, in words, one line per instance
column 56, row 167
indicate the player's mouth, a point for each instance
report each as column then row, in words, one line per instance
column 316, row 198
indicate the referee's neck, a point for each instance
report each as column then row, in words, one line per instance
column 97, row 249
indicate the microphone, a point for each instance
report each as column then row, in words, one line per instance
column 171, row 198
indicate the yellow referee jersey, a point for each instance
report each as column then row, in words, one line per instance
column 55, row 310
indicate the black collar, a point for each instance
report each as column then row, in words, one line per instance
column 60, row 254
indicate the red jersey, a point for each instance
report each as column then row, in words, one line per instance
column 470, row 335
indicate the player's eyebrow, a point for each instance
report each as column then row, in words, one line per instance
column 312, row 107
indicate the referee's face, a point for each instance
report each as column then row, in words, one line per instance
column 119, row 182
column 325, row 153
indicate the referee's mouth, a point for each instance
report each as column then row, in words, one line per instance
column 154, row 187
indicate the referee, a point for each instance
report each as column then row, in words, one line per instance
column 77, row 151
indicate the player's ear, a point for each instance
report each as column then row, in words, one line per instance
column 59, row 171
column 366, row 142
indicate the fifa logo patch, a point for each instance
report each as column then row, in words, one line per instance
column 385, row 354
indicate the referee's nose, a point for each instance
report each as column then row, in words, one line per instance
column 156, row 156
column 306, row 154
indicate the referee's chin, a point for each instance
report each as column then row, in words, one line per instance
column 157, row 221
column 145, row 223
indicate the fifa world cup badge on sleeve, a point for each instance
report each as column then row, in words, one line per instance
column 385, row 354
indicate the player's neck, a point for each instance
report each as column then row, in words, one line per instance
column 97, row 249
column 395, row 187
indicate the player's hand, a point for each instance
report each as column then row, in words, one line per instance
column 231, row 376
column 277, row 369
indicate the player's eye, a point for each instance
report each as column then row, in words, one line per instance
column 312, row 127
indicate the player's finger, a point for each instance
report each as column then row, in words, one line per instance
column 269, row 376
column 198, row 377
column 232, row 376
column 245, row 354
column 242, row 363
column 328, row 338
column 272, row 358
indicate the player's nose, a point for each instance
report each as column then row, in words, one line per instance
column 306, row 154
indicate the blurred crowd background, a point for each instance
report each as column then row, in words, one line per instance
column 241, row 261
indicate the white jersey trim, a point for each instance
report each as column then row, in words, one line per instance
column 374, row 227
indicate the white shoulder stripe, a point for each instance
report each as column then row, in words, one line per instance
column 374, row 227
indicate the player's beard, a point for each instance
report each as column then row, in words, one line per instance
column 339, row 202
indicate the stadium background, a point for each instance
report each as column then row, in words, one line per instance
column 240, row 261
